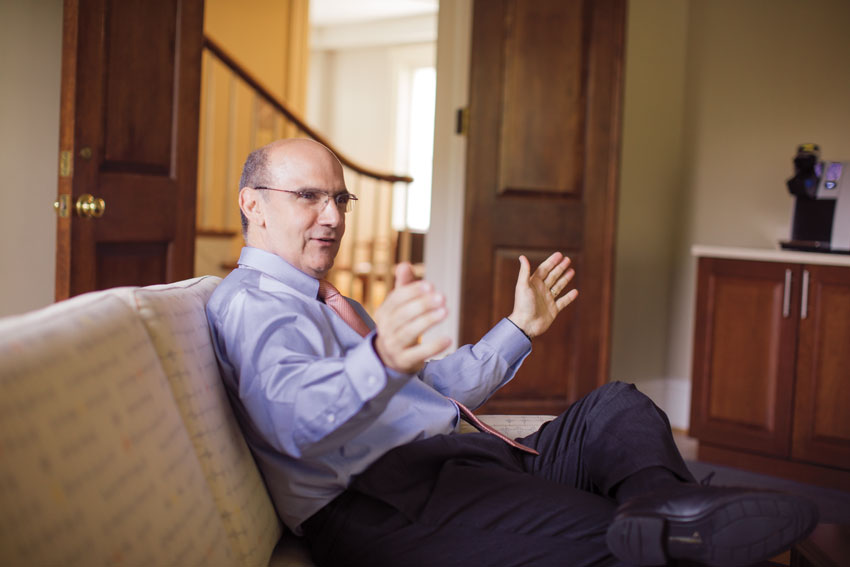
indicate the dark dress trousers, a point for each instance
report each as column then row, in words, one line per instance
column 472, row 500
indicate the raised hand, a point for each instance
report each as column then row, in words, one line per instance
column 536, row 301
column 411, row 308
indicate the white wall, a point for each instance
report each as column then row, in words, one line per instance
column 351, row 96
column 30, row 63
column 651, row 178
column 357, row 97
column 763, row 76
column 443, row 243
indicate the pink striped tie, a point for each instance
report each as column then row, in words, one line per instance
column 467, row 414
column 333, row 299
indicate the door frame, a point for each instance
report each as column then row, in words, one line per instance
column 443, row 242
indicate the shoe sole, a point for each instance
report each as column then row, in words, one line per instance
column 735, row 531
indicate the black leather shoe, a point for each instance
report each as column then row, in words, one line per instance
column 716, row 526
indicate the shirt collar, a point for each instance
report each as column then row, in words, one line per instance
column 276, row 267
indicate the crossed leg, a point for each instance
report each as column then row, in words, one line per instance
column 471, row 500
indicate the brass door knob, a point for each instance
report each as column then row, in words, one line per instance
column 90, row 207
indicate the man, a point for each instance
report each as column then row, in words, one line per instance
column 354, row 431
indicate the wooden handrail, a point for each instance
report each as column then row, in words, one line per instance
column 281, row 107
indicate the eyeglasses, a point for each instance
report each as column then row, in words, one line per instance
column 317, row 199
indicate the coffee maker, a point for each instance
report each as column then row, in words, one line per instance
column 821, row 220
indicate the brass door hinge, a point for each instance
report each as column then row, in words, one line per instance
column 66, row 163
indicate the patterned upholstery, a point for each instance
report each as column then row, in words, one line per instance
column 96, row 467
column 174, row 316
column 511, row 425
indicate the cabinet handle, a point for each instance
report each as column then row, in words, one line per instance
column 804, row 302
column 786, row 295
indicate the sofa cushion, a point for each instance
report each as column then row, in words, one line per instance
column 95, row 465
column 174, row 315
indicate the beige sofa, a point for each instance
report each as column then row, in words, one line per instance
column 118, row 445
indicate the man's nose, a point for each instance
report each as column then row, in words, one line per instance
column 330, row 215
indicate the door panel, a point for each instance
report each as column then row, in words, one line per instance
column 129, row 132
column 822, row 427
column 139, row 262
column 542, row 159
column 140, row 67
column 544, row 62
column 546, row 380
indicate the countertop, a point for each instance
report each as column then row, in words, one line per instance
column 771, row 255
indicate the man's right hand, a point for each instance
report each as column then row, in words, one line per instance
column 411, row 308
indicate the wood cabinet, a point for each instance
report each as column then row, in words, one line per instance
column 771, row 368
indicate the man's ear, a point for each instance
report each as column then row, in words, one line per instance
column 252, row 206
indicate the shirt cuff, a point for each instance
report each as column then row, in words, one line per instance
column 511, row 342
column 518, row 327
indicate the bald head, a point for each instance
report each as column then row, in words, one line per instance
column 255, row 171
column 277, row 214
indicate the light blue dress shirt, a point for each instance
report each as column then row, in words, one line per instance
column 315, row 402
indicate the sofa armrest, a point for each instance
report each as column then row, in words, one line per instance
column 96, row 467
column 511, row 425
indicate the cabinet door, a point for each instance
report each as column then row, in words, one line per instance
column 822, row 417
column 744, row 354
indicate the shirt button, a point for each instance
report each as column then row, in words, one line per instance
column 331, row 418
column 372, row 380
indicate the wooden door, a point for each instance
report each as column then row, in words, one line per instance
column 822, row 416
column 543, row 150
column 744, row 354
column 128, row 135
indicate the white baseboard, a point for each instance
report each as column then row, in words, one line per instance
column 678, row 403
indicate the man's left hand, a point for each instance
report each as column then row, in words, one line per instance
column 536, row 301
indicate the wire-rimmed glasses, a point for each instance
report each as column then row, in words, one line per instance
column 318, row 199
